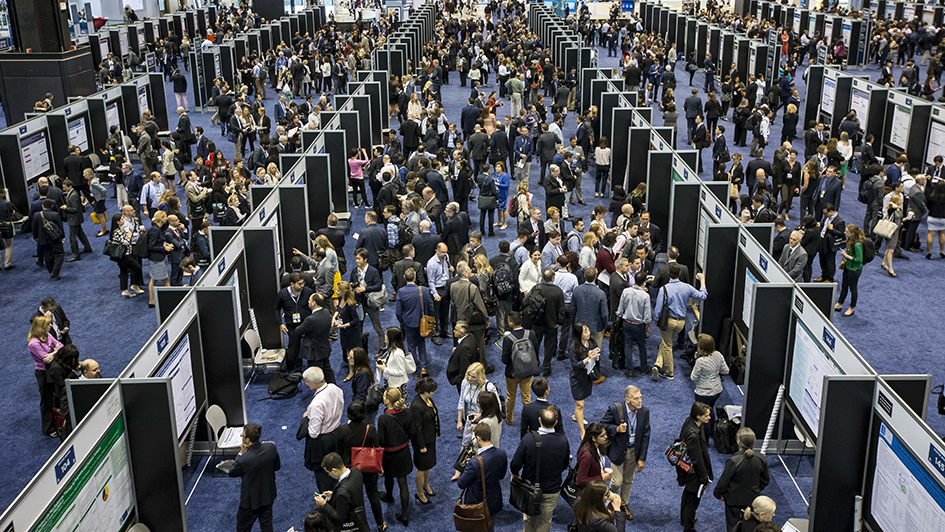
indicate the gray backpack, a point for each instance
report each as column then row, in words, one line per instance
column 525, row 361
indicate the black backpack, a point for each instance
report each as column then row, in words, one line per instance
column 534, row 311
column 724, row 434
column 502, row 278
column 869, row 251
column 283, row 385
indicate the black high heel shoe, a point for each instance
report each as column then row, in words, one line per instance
column 403, row 520
column 417, row 496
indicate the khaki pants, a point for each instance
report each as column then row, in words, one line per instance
column 510, row 394
column 516, row 98
column 542, row 521
column 523, row 172
column 665, row 357
column 622, row 480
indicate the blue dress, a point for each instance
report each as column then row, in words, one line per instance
column 502, row 183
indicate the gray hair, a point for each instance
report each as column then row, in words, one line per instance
column 620, row 262
column 461, row 269
column 553, row 167
column 452, row 207
column 315, row 375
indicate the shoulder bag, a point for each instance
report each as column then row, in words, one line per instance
column 475, row 315
column 473, row 517
column 569, row 489
column 427, row 322
column 114, row 250
column 367, row 459
column 664, row 312
column 377, row 299
column 524, row 495
column 53, row 231
column 886, row 228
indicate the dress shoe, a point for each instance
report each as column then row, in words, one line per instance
column 10, row 267
column 900, row 256
column 392, row 299
column 403, row 520
column 490, row 369
column 55, row 277
column 417, row 496
column 914, row 250
column 629, row 374
column 818, row 280
column 629, row 514
column 599, row 381
column 84, row 251
column 73, row 258
column 437, row 341
column 606, row 334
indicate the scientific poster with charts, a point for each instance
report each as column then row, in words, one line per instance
column 35, row 154
column 750, row 282
column 111, row 115
column 78, row 135
column 899, row 130
column 860, row 102
column 809, row 367
column 179, row 367
column 830, row 92
column 936, row 141
column 905, row 498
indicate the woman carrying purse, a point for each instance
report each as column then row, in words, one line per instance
column 488, row 200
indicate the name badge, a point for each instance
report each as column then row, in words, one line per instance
column 633, row 438
column 296, row 317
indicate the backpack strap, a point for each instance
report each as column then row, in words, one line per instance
column 623, row 415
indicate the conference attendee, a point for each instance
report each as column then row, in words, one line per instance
column 758, row 516
column 397, row 428
column 628, row 427
column 698, row 477
column 661, row 277
column 396, row 365
column 291, row 309
column 158, row 248
column 49, row 236
column 428, row 417
column 529, row 274
column 63, row 366
column 585, row 358
column 597, row 510
column 373, row 239
column 345, row 503
column 60, row 323
column 470, row 308
column 125, row 231
column 400, row 267
column 635, row 313
column 794, row 257
column 413, row 303
column 534, row 227
column 531, row 413
column 550, row 298
column 589, row 305
column 513, row 342
column 456, row 231
column 75, row 215
column 358, row 433
column 852, row 267
column 366, row 280
column 176, row 236
column 494, row 462
column 43, row 346
column 313, row 333
column 707, row 374
column 256, row 467
column 916, row 209
column 781, row 237
column 677, row 296
column 743, row 479
column 936, row 220
column 555, row 457
column 324, row 416
column 438, row 270
column 589, row 462
column 831, row 240
column 191, row 272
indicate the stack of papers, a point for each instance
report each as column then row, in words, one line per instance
column 232, row 437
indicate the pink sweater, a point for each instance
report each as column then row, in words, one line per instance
column 40, row 349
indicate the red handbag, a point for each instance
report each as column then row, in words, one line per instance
column 367, row 459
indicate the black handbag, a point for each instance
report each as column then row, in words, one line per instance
column 525, row 496
column 114, row 250
column 664, row 312
column 569, row 489
column 465, row 454
column 140, row 248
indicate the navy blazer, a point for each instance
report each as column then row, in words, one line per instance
column 619, row 441
column 530, row 421
column 408, row 308
column 257, row 467
column 313, row 333
column 495, row 462
column 372, row 281
column 438, row 185
column 589, row 304
column 374, row 240
column 424, row 244
column 832, row 190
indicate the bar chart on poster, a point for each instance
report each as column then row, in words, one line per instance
column 35, row 154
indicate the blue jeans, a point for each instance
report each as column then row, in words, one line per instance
column 416, row 344
column 634, row 332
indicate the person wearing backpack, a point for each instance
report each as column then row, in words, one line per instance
column 854, row 256
column 744, row 478
column 520, row 357
column 504, row 285
column 700, row 475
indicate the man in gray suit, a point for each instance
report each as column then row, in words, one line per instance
column 463, row 295
column 794, row 257
column 693, row 107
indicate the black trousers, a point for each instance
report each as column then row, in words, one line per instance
column 246, row 518
column 53, row 255
column 292, row 350
column 733, row 514
column 687, row 510
column 548, row 336
column 130, row 266
column 46, row 400
column 76, row 235
column 828, row 261
column 441, row 309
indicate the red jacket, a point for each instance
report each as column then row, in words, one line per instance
column 605, row 261
column 588, row 468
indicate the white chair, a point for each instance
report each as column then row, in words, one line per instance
column 222, row 437
column 264, row 360
column 140, row 527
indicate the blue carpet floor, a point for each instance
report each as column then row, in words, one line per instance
column 887, row 330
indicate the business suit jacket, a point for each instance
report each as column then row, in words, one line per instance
column 306, row 276
column 435, row 181
column 478, row 144
column 751, row 169
column 202, row 149
column 555, row 458
column 257, row 468
column 495, row 463
column 347, row 502
column 694, row 438
column 410, row 130
column 530, row 417
column 542, row 236
column 780, row 241
column 179, row 241
column 374, row 240
column 742, row 480
column 693, row 106
column 554, row 304
column 834, row 237
column 617, row 286
column 465, row 353
column 619, row 441
column 313, row 333
column 424, row 246
column 75, row 211
column 408, row 308
column 463, row 295
column 73, row 166
column 589, row 305
column 554, row 197
column 793, row 263
column 184, row 129
column 37, row 223
column 397, row 273
column 832, row 191
column 546, row 146
column 456, row 233
column 468, row 118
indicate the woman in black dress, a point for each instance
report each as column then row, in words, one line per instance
column 396, row 428
column 348, row 322
column 424, row 409
column 584, row 355
column 358, row 433
column 362, row 378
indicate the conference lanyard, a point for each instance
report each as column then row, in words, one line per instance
column 632, row 428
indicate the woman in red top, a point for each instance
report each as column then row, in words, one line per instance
column 590, row 457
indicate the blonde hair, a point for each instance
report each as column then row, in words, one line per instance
column 590, row 237
column 479, row 371
column 38, row 328
column 394, row 399
column 158, row 217
column 345, row 293
column 323, row 242
column 552, row 211
column 762, row 505
column 482, row 264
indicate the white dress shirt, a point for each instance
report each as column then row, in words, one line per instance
column 324, row 412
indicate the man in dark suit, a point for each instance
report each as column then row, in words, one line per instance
column 662, row 274
column 366, row 279
column 424, row 244
column 75, row 215
column 478, row 145
column 589, row 304
column 256, row 466
column 373, row 239
column 832, row 188
column 50, row 250
column 410, row 130
column 291, row 310
column 736, row 494
column 495, row 463
column 176, row 235
column 536, row 229
column 813, row 138
column 628, row 425
column 699, row 141
column 751, row 172
column 555, row 187
column 186, row 133
column 546, row 147
column 464, row 296
column 781, row 237
column 344, row 504
column 314, row 344
column 74, row 166
column 413, row 302
column 60, row 323
column 400, row 267
column 552, row 319
column 531, row 413
column 464, row 353
column 692, row 105
column 831, row 239
column 468, row 118
column 759, row 213
column 202, row 149
column 455, row 231
column 432, row 204
column 554, row 455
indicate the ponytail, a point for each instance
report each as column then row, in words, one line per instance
column 746, row 514
column 746, row 441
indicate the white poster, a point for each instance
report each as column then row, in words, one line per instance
column 143, row 99
column 797, row 23
column 752, row 58
column 899, row 131
column 750, row 281
column 103, row 45
column 78, row 136
column 808, row 368
column 860, row 102
column 35, row 154
column 847, row 35
column 830, row 92
column 908, row 12
column 111, row 115
column 828, row 30
column 704, row 222
column 179, row 367
column 905, row 497
column 936, row 141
